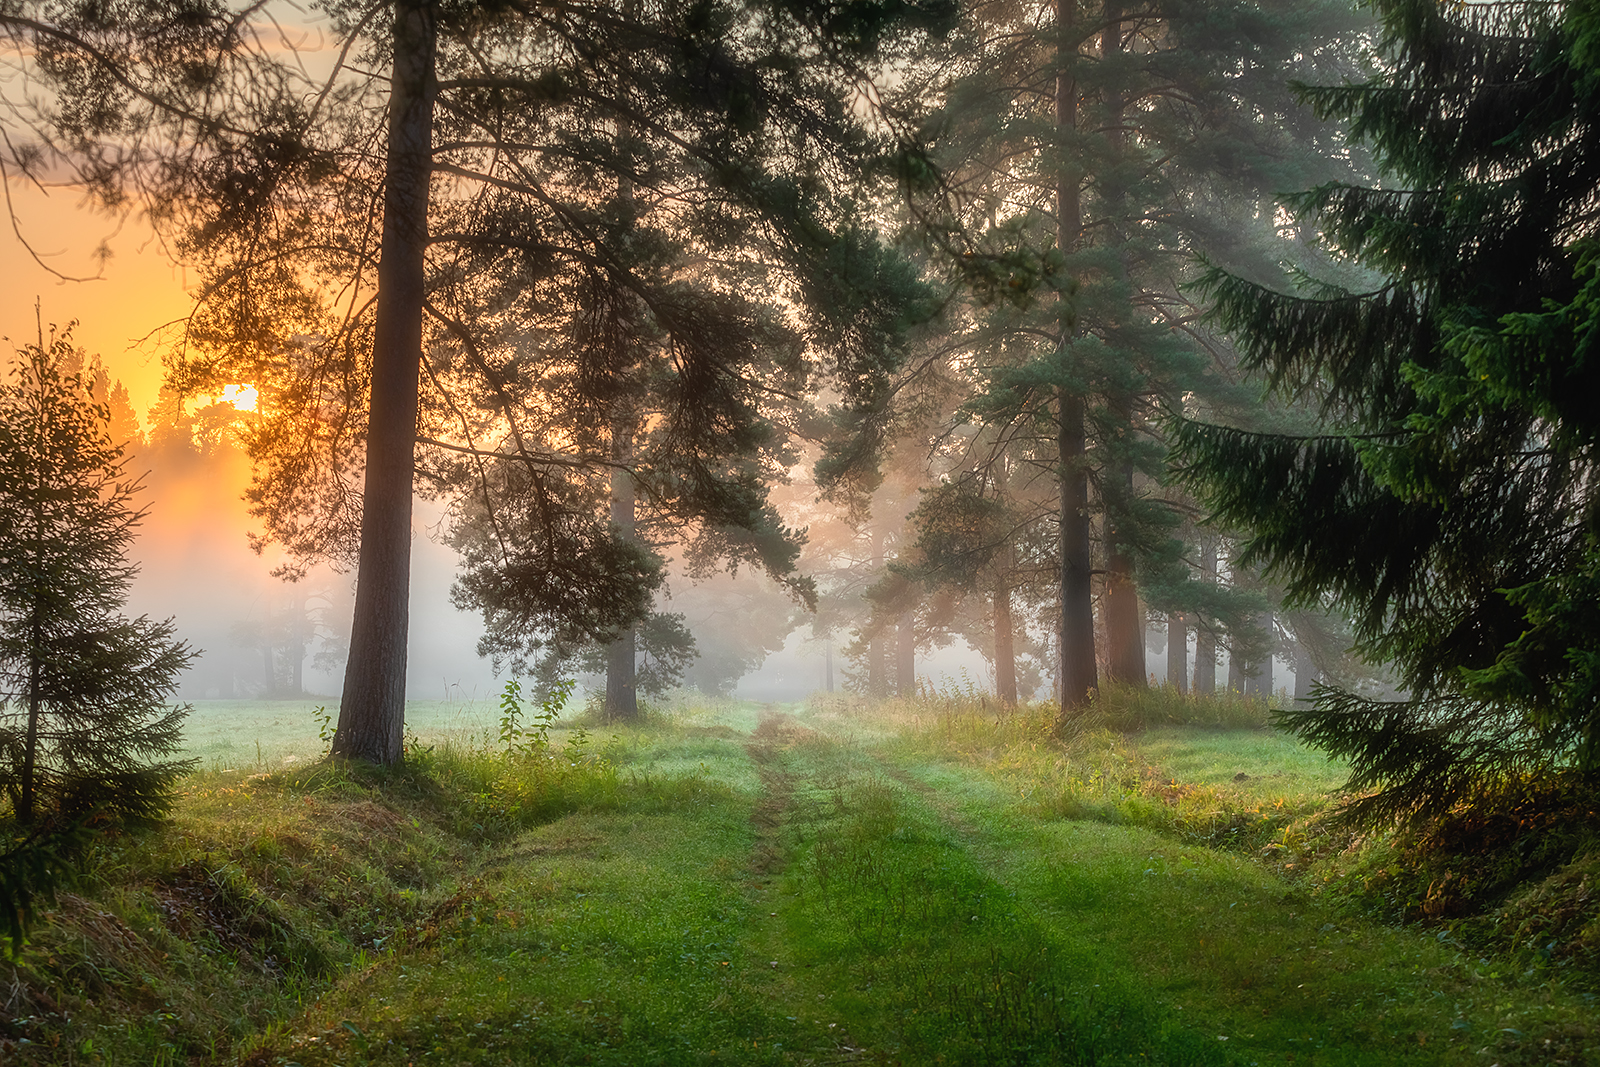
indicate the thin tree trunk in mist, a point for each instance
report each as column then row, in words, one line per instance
column 1124, row 617
column 1005, row 654
column 373, row 708
column 1178, row 652
column 877, row 651
column 905, row 659
column 1305, row 672
column 297, row 648
column 268, row 675
column 622, row 696
column 1235, row 673
column 1258, row 675
column 827, row 662
column 1079, row 675
column 1205, row 663
column 1205, row 638
column 622, row 655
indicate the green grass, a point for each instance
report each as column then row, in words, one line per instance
column 262, row 735
column 918, row 884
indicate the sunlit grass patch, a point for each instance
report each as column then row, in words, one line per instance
column 918, row 955
column 264, row 886
column 605, row 937
column 1234, row 948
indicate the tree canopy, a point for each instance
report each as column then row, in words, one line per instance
column 1089, row 152
column 472, row 240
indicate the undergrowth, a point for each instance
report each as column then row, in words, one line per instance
column 1516, row 870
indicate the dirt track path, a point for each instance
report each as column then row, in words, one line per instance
column 806, row 897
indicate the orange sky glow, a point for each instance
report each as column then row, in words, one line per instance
column 125, row 316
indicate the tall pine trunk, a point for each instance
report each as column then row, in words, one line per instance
column 1005, row 649
column 622, row 695
column 1124, row 619
column 1178, row 652
column 372, row 710
column 1205, row 638
column 877, row 650
column 905, row 660
column 1078, row 671
column 1005, row 655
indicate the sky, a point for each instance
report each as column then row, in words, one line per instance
column 139, row 289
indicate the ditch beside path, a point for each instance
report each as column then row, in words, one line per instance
column 817, row 898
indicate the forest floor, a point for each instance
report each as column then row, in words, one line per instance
column 748, row 885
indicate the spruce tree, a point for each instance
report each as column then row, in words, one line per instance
column 86, row 726
column 1448, row 503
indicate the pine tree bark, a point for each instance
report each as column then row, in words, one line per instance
column 877, row 652
column 1205, row 638
column 1125, row 661
column 1124, row 617
column 372, row 709
column 1305, row 672
column 905, row 673
column 622, row 695
column 1178, row 652
column 1079, row 675
column 1005, row 653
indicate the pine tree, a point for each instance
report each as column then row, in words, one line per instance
column 360, row 287
column 1091, row 149
column 86, row 726
column 1448, row 503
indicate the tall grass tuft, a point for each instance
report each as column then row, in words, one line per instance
column 1129, row 709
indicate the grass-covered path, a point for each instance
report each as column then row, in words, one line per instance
column 810, row 893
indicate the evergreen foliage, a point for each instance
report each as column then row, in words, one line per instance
column 512, row 249
column 1448, row 505
column 1090, row 150
column 86, row 728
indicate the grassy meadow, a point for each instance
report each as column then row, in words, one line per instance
column 266, row 735
column 922, row 882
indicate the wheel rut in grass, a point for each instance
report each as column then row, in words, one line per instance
column 774, row 730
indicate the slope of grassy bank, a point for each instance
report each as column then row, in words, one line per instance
column 810, row 885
